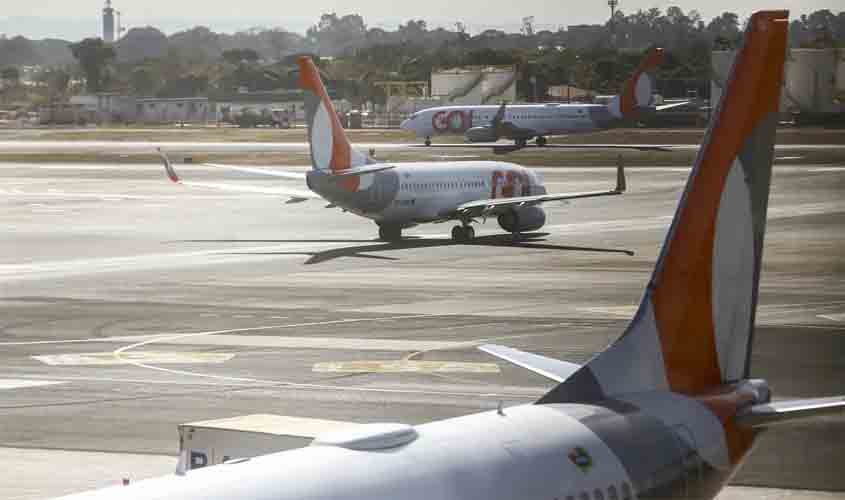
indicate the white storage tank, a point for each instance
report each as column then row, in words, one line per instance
column 474, row 84
column 812, row 79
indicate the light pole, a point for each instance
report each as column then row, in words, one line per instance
column 612, row 4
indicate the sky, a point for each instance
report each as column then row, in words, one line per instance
column 75, row 19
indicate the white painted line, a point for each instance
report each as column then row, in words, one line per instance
column 341, row 343
column 833, row 317
column 404, row 366
column 108, row 358
column 170, row 337
column 13, row 383
column 624, row 311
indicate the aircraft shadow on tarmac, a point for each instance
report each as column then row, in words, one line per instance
column 527, row 240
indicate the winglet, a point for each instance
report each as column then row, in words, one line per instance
column 168, row 167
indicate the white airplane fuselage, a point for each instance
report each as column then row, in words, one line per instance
column 542, row 119
column 529, row 452
column 414, row 193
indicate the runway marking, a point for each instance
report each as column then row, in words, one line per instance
column 173, row 337
column 623, row 311
column 159, row 357
column 404, row 366
column 119, row 353
column 15, row 383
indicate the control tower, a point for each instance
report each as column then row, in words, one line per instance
column 108, row 23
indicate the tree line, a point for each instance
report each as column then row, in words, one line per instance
column 199, row 61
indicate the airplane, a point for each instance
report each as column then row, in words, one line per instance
column 402, row 195
column 522, row 122
column 669, row 410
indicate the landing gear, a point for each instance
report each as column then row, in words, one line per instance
column 541, row 141
column 515, row 233
column 521, row 143
column 463, row 234
column 390, row 233
column 428, row 141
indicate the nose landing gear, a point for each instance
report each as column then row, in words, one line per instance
column 428, row 141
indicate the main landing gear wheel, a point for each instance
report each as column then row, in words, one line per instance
column 390, row 233
column 521, row 143
column 463, row 234
column 428, row 141
column 541, row 141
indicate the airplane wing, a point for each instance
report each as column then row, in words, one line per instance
column 261, row 171
column 510, row 148
column 294, row 195
column 781, row 412
column 548, row 367
column 670, row 106
column 479, row 208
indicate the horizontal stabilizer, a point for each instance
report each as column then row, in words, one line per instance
column 369, row 169
column 294, row 195
column 500, row 148
column 664, row 107
column 782, row 412
column 260, row 171
column 548, row 367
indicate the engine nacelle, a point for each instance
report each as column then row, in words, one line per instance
column 530, row 219
column 481, row 134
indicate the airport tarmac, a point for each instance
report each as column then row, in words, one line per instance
column 129, row 305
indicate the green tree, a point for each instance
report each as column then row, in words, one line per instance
column 10, row 76
column 240, row 56
column 144, row 81
column 94, row 56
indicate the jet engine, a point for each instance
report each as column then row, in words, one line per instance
column 530, row 219
column 481, row 134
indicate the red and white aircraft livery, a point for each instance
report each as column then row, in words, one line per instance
column 401, row 195
column 667, row 411
column 522, row 122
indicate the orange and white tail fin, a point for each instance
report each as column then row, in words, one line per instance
column 637, row 91
column 694, row 327
column 330, row 148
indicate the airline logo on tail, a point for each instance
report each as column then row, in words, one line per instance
column 330, row 148
column 637, row 90
column 693, row 330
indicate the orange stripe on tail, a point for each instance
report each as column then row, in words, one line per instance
column 682, row 294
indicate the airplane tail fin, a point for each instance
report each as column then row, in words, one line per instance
column 637, row 90
column 694, row 327
column 331, row 151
